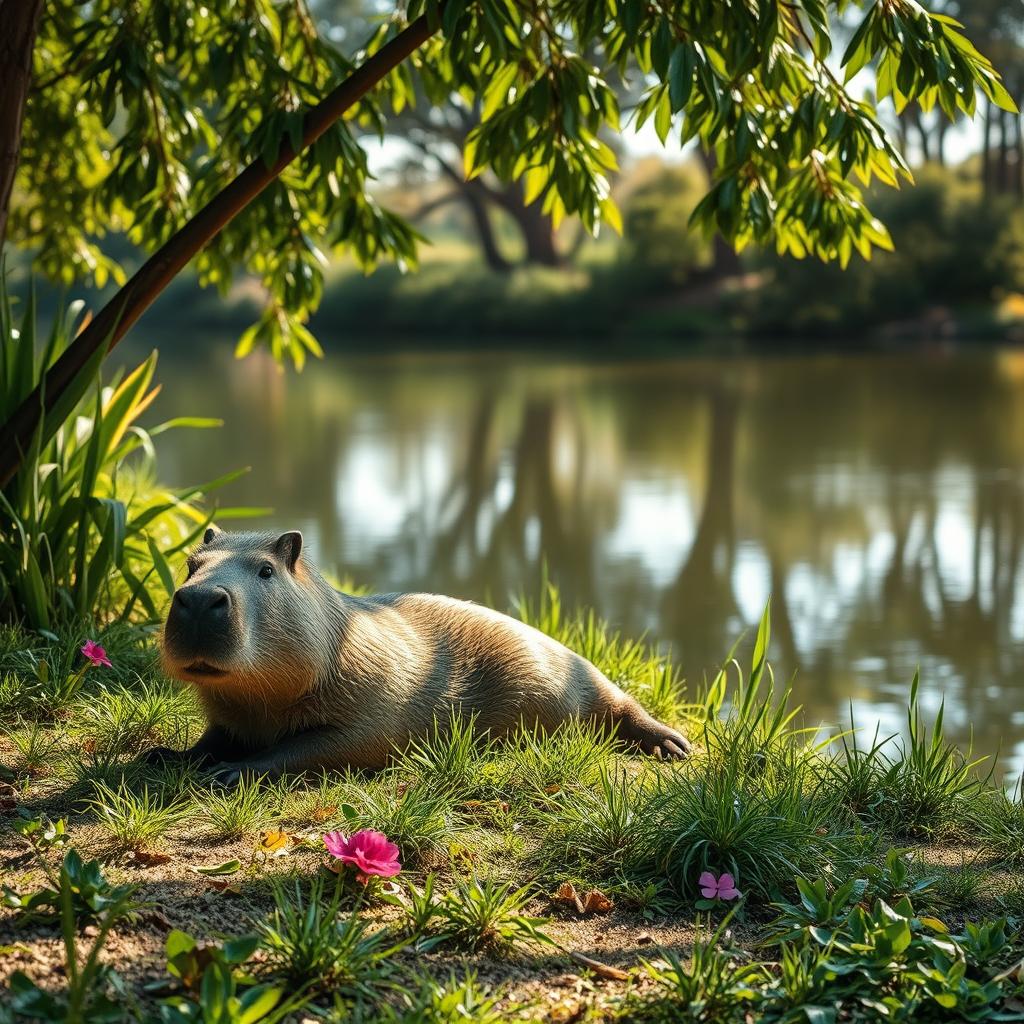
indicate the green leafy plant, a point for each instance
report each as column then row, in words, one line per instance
column 485, row 914
column 600, row 827
column 92, row 994
column 308, row 942
column 419, row 816
column 450, row 756
column 240, row 811
column 81, row 527
column 79, row 883
column 218, row 989
column 455, row 1001
column 712, row 987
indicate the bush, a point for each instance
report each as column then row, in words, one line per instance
column 658, row 239
column 953, row 246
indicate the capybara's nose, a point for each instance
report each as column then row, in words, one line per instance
column 200, row 602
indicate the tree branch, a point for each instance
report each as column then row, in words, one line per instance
column 113, row 321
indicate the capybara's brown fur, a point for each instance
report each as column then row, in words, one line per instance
column 295, row 676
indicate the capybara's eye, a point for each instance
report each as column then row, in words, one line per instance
column 266, row 571
column 190, row 567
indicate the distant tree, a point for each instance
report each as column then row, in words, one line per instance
column 141, row 110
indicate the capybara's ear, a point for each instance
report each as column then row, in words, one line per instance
column 211, row 532
column 288, row 547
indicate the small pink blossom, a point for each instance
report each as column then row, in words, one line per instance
column 370, row 852
column 95, row 653
column 721, row 888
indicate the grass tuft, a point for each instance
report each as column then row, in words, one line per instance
column 136, row 820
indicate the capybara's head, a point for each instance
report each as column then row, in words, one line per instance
column 250, row 613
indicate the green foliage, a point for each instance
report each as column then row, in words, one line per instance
column 239, row 811
column 954, row 245
column 483, row 914
column 82, row 886
column 308, row 942
column 913, row 787
column 997, row 818
column 135, row 121
column 449, row 757
column 885, row 962
column 713, row 987
column 541, row 765
column 598, row 829
column 419, row 817
column 456, row 1001
column 135, row 820
column 213, row 976
column 82, row 528
column 93, row 992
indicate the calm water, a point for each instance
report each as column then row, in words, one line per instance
column 879, row 500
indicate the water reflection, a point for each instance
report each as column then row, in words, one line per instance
column 877, row 499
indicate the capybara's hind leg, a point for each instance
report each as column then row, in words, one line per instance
column 636, row 726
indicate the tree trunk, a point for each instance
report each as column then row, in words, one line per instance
column 725, row 261
column 1003, row 173
column 986, row 151
column 535, row 226
column 20, row 22
column 476, row 202
column 942, row 126
column 111, row 324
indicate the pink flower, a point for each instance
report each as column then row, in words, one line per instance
column 721, row 888
column 95, row 653
column 372, row 853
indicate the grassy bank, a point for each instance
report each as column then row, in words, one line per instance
column 545, row 877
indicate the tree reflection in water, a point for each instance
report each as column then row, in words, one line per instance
column 877, row 499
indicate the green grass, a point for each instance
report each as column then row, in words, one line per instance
column 233, row 813
column 310, row 941
column 136, row 820
column 488, row 831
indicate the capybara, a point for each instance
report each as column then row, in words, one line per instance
column 296, row 676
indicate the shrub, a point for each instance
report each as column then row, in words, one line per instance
column 953, row 245
column 658, row 239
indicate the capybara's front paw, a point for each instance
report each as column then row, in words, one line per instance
column 662, row 742
column 162, row 756
column 230, row 775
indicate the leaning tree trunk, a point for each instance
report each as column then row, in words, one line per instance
column 117, row 316
column 19, row 22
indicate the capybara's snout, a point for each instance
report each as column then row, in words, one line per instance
column 200, row 631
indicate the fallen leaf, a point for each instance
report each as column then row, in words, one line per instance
column 224, row 886
column 323, row 813
column 594, row 902
column 150, row 858
column 567, row 894
column 229, row 867
column 273, row 841
column 486, row 806
column 552, row 789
